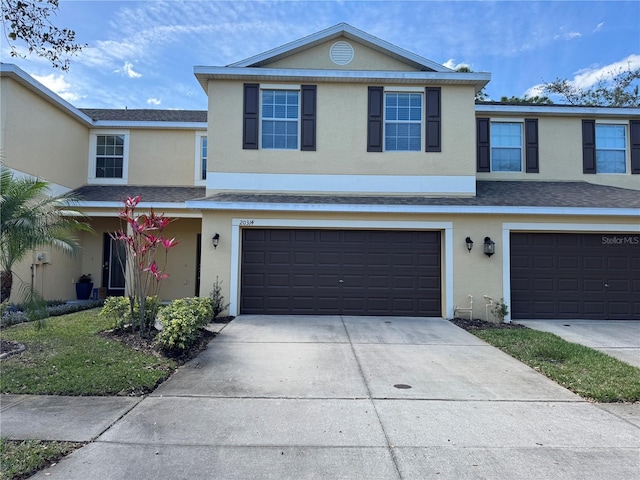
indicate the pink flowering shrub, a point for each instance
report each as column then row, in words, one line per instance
column 145, row 246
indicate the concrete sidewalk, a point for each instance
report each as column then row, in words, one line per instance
column 357, row 397
column 618, row 338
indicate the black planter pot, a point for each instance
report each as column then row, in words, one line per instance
column 83, row 290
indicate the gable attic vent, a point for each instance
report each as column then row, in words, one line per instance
column 341, row 53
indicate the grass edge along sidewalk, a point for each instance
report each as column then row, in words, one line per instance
column 589, row 373
column 21, row 459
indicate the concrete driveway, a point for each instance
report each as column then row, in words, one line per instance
column 618, row 338
column 359, row 397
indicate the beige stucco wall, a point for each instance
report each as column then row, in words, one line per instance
column 181, row 261
column 560, row 155
column 474, row 273
column 161, row 157
column 364, row 58
column 341, row 146
column 38, row 138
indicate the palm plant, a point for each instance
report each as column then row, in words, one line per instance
column 30, row 218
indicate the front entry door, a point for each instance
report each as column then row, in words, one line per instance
column 112, row 274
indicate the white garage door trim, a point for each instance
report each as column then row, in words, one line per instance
column 238, row 223
column 507, row 228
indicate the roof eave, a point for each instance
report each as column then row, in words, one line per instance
column 557, row 110
column 206, row 73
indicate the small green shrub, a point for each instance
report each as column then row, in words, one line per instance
column 181, row 321
column 217, row 299
column 119, row 309
column 500, row 310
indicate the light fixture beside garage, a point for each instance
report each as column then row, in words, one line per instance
column 489, row 246
column 216, row 240
column 469, row 243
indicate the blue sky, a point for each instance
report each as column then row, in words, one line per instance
column 141, row 54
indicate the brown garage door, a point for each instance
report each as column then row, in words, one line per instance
column 349, row 272
column 577, row 276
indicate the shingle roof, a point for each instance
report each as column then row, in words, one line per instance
column 488, row 193
column 117, row 193
column 146, row 115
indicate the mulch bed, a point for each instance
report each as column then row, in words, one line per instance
column 475, row 324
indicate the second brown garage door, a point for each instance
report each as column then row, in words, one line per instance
column 346, row 272
column 575, row 276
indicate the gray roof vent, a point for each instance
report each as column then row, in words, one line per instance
column 341, row 53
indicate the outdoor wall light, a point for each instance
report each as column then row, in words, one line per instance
column 216, row 240
column 489, row 246
column 469, row 243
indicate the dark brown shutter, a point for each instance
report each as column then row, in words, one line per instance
column 588, row 146
column 308, row 120
column 483, row 162
column 250, row 124
column 634, row 136
column 374, row 126
column 433, row 120
column 531, row 145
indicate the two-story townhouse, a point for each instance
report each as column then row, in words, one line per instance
column 345, row 175
column 105, row 156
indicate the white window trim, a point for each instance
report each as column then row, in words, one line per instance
column 297, row 88
column 627, row 146
column 93, row 140
column 197, row 180
column 384, row 120
column 522, row 146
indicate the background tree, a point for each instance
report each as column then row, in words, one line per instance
column 620, row 88
column 536, row 99
column 29, row 21
column 30, row 218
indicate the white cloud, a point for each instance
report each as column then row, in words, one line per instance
column 127, row 68
column 153, row 101
column 59, row 85
column 598, row 27
column 588, row 77
column 451, row 63
column 566, row 35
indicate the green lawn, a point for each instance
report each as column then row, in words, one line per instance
column 19, row 459
column 587, row 372
column 68, row 357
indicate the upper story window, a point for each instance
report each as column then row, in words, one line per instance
column 203, row 158
column 280, row 112
column 108, row 157
column 398, row 118
column 279, row 117
column 611, row 148
column 506, row 147
column 403, row 122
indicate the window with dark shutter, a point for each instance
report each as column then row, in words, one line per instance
column 433, row 120
column 634, row 137
column 483, row 161
column 588, row 146
column 250, row 116
column 308, row 118
column 531, row 145
column 375, row 119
